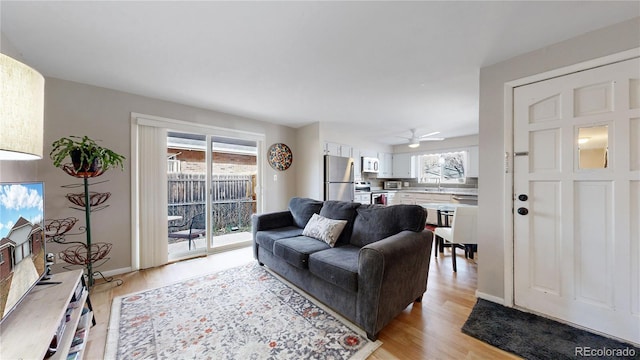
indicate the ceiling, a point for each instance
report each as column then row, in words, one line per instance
column 381, row 67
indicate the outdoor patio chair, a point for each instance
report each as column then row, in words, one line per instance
column 197, row 228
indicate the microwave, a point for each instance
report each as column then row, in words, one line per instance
column 370, row 165
column 392, row 185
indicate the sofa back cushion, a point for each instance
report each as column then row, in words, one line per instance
column 376, row 222
column 302, row 209
column 341, row 210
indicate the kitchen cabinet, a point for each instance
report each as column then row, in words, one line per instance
column 404, row 166
column 357, row 164
column 335, row 149
column 417, row 198
column 386, row 165
column 472, row 162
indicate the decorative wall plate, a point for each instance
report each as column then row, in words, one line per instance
column 279, row 156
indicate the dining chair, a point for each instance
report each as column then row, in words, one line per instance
column 462, row 233
column 197, row 228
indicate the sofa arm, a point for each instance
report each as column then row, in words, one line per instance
column 392, row 273
column 270, row 221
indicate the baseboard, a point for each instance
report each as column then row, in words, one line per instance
column 116, row 272
column 488, row 297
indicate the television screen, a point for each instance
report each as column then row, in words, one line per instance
column 22, row 241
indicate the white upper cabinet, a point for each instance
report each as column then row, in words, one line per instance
column 386, row 165
column 404, row 166
column 357, row 164
column 336, row 149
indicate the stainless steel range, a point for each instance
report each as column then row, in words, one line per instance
column 362, row 192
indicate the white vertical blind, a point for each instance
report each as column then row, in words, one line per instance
column 152, row 195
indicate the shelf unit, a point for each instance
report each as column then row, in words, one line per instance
column 27, row 332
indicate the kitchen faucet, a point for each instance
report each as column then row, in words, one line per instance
column 439, row 184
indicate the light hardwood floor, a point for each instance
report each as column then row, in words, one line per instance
column 427, row 330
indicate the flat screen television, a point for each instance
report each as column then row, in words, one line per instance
column 22, row 242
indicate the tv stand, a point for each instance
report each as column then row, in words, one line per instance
column 27, row 332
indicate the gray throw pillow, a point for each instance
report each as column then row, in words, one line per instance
column 375, row 222
column 341, row 210
column 302, row 209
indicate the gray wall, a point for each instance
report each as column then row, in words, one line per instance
column 593, row 45
column 78, row 109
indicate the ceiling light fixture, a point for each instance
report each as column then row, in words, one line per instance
column 21, row 111
column 414, row 140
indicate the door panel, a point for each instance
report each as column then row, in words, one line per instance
column 593, row 253
column 577, row 157
column 635, row 248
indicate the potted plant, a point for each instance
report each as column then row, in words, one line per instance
column 86, row 155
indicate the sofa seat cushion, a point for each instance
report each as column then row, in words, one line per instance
column 338, row 266
column 296, row 250
column 266, row 238
column 376, row 222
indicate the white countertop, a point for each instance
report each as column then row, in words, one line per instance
column 448, row 191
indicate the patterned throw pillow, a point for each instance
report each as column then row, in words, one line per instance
column 325, row 229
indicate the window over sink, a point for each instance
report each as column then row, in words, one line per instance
column 445, row 168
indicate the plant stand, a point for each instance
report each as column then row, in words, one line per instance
column 85, row 254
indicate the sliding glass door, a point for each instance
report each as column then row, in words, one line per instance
column 234, row 175
column 187, row 194
column 200, row 224
column 194, row 189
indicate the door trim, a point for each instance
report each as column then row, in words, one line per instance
column 186, row 126
column 508, row 205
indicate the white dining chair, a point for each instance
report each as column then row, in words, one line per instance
column 463, row 230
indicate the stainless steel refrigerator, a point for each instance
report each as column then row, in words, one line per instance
column 338, row 178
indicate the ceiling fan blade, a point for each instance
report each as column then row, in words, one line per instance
column 429, row 134
column 432, row 139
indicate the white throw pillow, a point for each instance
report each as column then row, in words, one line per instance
column 325, row 229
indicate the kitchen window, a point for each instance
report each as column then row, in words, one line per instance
column 443, row 168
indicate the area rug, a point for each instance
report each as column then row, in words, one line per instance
column 240, row 313
column 534, row 337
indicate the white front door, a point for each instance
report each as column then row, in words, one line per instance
column 577, row 198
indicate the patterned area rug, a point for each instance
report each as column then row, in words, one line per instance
column 240, row 313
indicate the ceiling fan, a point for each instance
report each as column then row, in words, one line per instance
column 414, row 140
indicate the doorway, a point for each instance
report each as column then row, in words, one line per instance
column 180, row 172
column 577, row 198
column 216, row 217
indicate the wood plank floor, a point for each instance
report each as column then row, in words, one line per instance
column 427, row 330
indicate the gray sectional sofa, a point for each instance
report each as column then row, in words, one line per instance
column 377, row 267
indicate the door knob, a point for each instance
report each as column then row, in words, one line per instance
column 523, row 197
column 523, row 211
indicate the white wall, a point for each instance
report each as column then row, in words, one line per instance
column 349, row 135
column 309, row 159
column 78, row 109
column 491, row 198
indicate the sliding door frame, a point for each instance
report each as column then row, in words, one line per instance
column 138, row 119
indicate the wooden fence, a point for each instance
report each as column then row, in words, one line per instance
column 233, row 199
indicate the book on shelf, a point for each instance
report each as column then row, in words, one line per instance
column 84, row 318
column 77, row 294
column 78, row 340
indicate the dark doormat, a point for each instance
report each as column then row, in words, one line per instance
column 535, row 337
